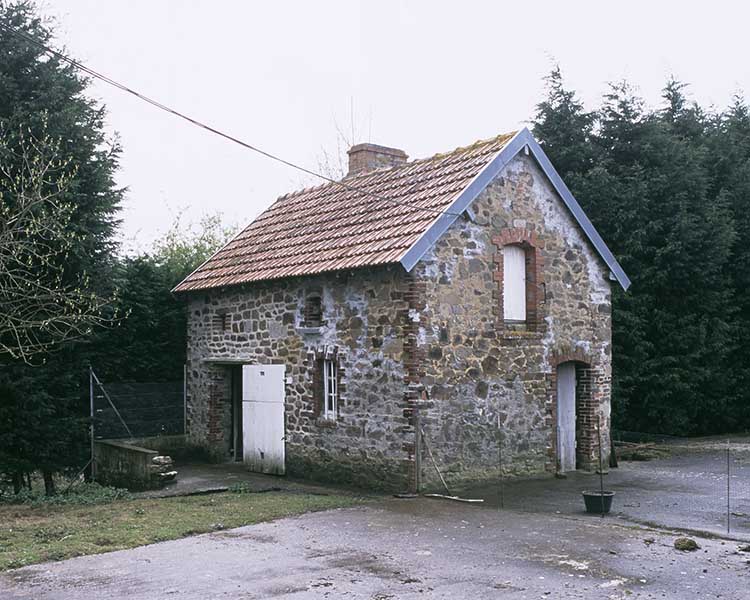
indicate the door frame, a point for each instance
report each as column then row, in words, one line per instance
column 560, row 450
column 236, row 387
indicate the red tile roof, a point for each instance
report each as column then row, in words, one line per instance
column 329, row 228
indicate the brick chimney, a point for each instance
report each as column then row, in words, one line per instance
column 368, row 157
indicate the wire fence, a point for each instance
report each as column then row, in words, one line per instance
column 136, row 410
column 689, row 483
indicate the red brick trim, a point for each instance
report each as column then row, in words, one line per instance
column 414, row 369
column 587, row 404
column 569, row 355
column 217, row 397
column 535, row 295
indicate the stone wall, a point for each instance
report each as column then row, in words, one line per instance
column 364, row 316
column 480, row 370
column 436, row 332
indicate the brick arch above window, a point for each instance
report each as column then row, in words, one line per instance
column 535, row 288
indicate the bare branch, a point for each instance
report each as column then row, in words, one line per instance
column 41, row 305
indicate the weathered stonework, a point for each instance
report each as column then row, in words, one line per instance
column 481, row 372
column 431, row 342
column 365, row 318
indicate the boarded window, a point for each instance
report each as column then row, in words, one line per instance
column 514, row 283
column 313, row 313
column 223, row 321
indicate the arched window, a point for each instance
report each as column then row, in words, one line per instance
column 514, row 283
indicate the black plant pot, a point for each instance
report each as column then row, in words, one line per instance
column 598, row 502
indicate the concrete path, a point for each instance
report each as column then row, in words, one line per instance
column 686, row 490
column 540, row 545
column 398, row 549
column 204, row 478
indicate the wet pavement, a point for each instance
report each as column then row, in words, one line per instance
column 539, row 545
column 686, row 490
column 207, row 478
column 420, row 548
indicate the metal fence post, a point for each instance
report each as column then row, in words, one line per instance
column 728, row 476
column 91, row 426
column 184, row 399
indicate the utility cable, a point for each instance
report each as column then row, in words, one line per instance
column 159, row 105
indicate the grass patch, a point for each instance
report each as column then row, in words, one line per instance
column 80, row 495
column 32, row 534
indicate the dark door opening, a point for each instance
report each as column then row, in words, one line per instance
column 236, row 451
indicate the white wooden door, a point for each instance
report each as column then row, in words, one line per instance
column 263, row 418
column 566, row 416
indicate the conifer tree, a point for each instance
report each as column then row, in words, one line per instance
column 43, row 407
column 649, row 193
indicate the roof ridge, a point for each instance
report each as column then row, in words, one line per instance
column 346, row 181
column 482, row 142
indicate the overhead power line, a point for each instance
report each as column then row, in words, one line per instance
column 164, row 107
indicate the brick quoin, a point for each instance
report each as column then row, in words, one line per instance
column 414, row 371
column 591, row 391
column 216, row 399
column 535, row 291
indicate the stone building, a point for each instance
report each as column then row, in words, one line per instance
column 466, row 295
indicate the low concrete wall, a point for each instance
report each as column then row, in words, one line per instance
column 180, row 447
column 125, row 465
column 163, row 444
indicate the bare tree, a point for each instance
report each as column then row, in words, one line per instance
column 335, row 163
column 41, row 305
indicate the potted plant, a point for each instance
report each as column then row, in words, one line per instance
column 599, row 501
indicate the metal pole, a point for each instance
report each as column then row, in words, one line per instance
column 417, row 451
column 500, row 462
column 601, row 472
column 184, row 400
column 728, row 474
column 91, row 425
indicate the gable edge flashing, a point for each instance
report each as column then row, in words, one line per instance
column 522, row 139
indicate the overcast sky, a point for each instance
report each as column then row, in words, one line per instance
column 423, row 76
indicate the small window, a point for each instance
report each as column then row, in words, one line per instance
column 223, row 321
column 330, row 389
column 313, row 312
column 514, row 283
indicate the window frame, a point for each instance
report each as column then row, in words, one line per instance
column 522, row 285
column 330, row 389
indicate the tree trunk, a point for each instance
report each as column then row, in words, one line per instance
column 49, row 483
column 17, row 482
column 612, row 453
